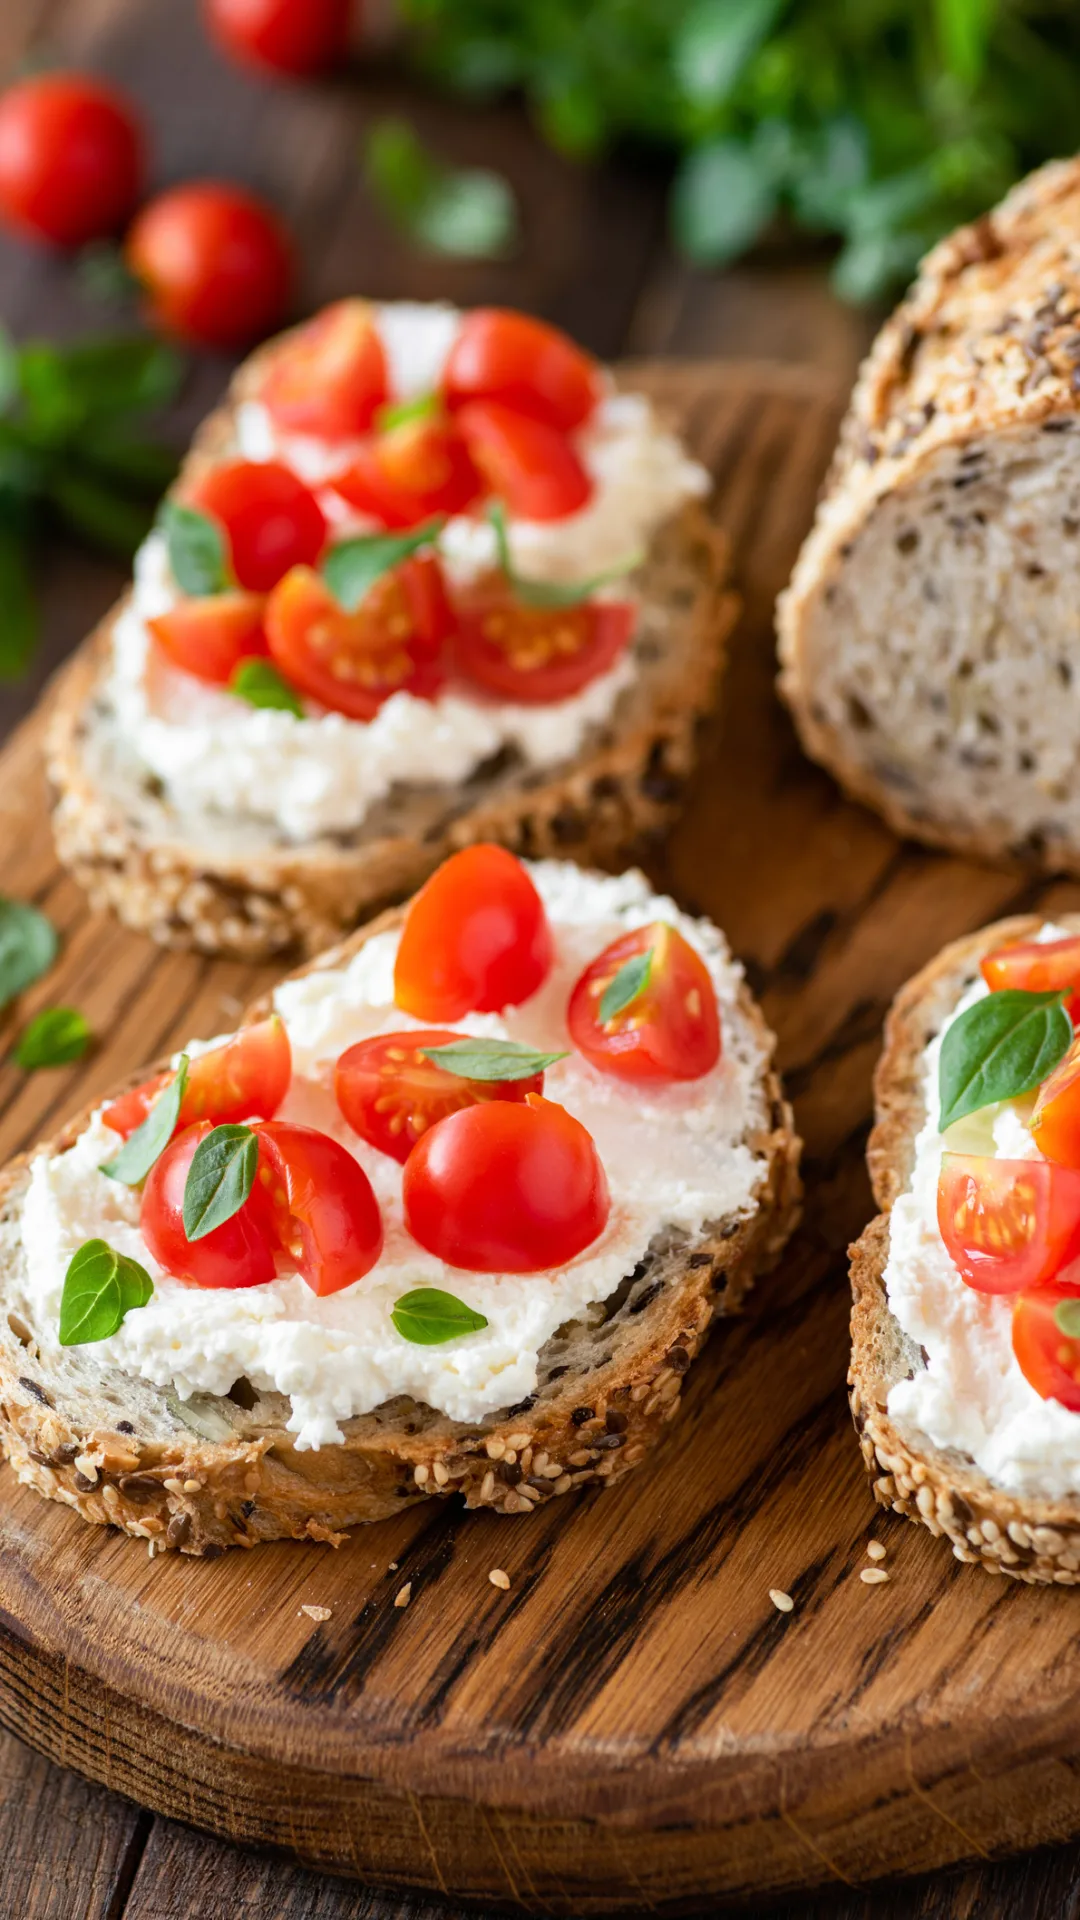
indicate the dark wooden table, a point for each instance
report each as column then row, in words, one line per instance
column 595, row 259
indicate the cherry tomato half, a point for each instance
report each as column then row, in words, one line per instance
column 353, row 662
column 1048, row 1358
column 71, row 158
column 1038, row 966
column 210, row 637
column 271, row 520
column 530, row 465
column 414, row 470
column 325, row 1212
column 670, row 1030
column 216, row 263
column 1055, row 1119
column 239, row 1253
column 287, row 36
column 536, row 654
column 475, row 938
column 329, row 377
column 1007, row 1224
column 246, row 1078
column 391, row 1093
column 506, row 1188
column 525, row 364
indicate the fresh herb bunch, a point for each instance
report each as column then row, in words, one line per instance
column 71, row 451
column 882, row 121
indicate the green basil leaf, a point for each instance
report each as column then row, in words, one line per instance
column 28, row 946
column 100, row 514
column 623, row 989
column 428, row 1317
column 351, row 569
column 19, row 625
column 1002, row 1046
column 400, row 413
column 1067, row 1318
column 550, row 593
column 476, row 1059
column 9, row 370
column 196, row 549
column 723, row 197
column 149, row 1141
column 54, row 1037
column 261, row 685
column 100, row 1288
column 220, row 1178
column 467, row 212
column 716, row 42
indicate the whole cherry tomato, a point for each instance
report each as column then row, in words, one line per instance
column 329, row 377
column 506, row 1188
column 271, row 520
column 246, row 1078
column 536, row 654
column 525, row 364
column 475, row 938
column 71, row 158
column 1055, row 1119
column 410, row 472
column 215, row 262
column 668, row 1029
column 325, row 1212
column 1007, row 1224
column 353, row 662
column 1038, row 966
column 239, row 1253
column 210, row 637
column 287, row 36
column 529, row 464
column 1048, row 1356
column 391, row 1093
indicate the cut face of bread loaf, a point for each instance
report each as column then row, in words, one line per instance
column 930, row 637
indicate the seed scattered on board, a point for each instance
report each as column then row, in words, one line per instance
column 876, row 1551
column 782, row 1601
column 499, row 1579
column 873, row 1576
column 403, row 1595
column 317, row 1613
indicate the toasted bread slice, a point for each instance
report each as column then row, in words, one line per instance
column 1029, row 1538
column 215, row 1472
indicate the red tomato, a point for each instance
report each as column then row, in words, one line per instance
column 210, row 637
column 1038, row 966
column 239, row 1253
column 669, row 1031
column 353, row 662
column 329, row 378
column 271, row 520
column 417, row 469
column 531, row 466
column 246, row 1078
column 1055, row 1121
column 1049, row 1359
column 325, row 1212
column 475, row 938
column 536, row 654
column 288, row 36
column 391, row 1093
column 215, row 261
column 506, row 1188
column 71, row 158
column 1007, row 1224
column 500, row 355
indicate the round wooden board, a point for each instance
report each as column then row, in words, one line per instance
column 633, row 1724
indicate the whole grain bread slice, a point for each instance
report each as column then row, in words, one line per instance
column 248, row 890
column 215, row 1472
column 1028, row 1538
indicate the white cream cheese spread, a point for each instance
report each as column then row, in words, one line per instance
column 675, row 1157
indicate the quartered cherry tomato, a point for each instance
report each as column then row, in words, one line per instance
column 71, row 158
column 325, row 1213
column 246, row 1078
column 1037, row 966
column 529, row 464
column 536, row 653
column 239, row 1253
column 216, row 263
column 287, row 36
column 669, row 1030
column 391, row 1093
column 1049, row 1358
column 506, row 1188
column 329, row 378
column 1007, row 1224
column 525, row 364
column 403, row 476
column 1055, row 1119
column 475, row 939
column 210, row 637
column 353, row 662
column 270, row 519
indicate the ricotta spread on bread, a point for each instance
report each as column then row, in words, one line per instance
column 675, row 1155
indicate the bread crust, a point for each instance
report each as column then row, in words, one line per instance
column 199, row 1496
column 987, row 340
column 135, row 858
column 1033, row 1540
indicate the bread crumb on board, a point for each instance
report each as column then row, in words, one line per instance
column 318, row 1613
column 403, row 1595
column 782, row 1601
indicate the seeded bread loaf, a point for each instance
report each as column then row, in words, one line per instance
column 245, row 889
column 215, row 1472
column 930, row 636
column 1030, row 1539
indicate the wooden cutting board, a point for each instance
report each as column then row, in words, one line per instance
column 633, row 1724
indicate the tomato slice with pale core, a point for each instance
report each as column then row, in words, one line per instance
column 475, row 938
column 239, row 1253
column 1007, row 1224
column 536, row 654
column 506, row 1187
column 246, row 1078
column 531, row 466
column 670, row 1030
column 209, row 637
column 525, row 364
column 271, row 520
column 391, row 1093
column 353, row 662
column 1048, row 1358
column 329, row 378
column 1055, row 1119
column 403, row 476
column 325, row 1213
column 1038, row 966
